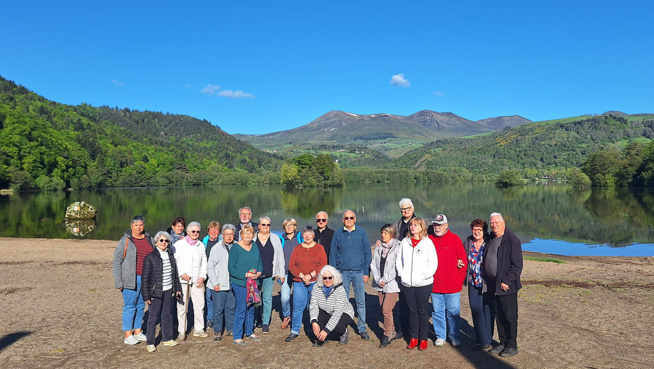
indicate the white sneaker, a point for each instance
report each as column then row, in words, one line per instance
column 141, row 337
column 201, row 334
column 171, row 343
column 439, row 342
column 131, row 340
column 151, row 348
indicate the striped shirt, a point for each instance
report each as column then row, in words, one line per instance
column 167, row 275
column 335, row 305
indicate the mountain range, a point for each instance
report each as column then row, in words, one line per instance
column 348, row 128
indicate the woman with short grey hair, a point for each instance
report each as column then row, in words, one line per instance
column 384, row 280
column 330, row 312
column 161, row 287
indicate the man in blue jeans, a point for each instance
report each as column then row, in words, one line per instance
column 350, row 254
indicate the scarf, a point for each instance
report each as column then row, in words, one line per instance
column 386, row 247
column 252, row 296
column 192, row 242
column 327, row 290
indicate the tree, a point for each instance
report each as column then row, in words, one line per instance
column 510, row 178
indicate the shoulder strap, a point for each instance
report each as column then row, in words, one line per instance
column 126, row 243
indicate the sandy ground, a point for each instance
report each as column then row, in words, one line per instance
column 60, row 309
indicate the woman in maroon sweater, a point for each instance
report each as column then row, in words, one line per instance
column 307, row 260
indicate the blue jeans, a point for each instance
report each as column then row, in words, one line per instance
column 133, row 307
column 481, row 307
column 447, row 307
column 301, row 296
column 243, row 314
column 285, row 296
column 223, row 306
column 208, row 303
column 267, row 285
column 355, row 277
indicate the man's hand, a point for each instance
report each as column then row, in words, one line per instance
column 365, row 279
column 216, row 287
column 504, row 287
column 460, row 264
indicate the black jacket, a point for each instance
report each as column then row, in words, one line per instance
column 509, row 263
column 152, row 278
column 325, row 239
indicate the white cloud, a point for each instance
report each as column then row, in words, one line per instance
column 210, row 89
column 118, row 83
column 399, row 81
column 439, row 93
column 235, row 94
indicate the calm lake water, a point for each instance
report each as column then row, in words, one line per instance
column 547, row 219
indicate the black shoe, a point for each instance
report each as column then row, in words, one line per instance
column 364, row 335
column 398, row 335
column 318, row 343
column 291, row 337
column 481, row 347
column 344, row 338
column 385, row 341
column 259, row 325
column 209, row 324
column 509, row 351
column 497, row 349
column 265, row 328
column 229, row 333
column 218, row 336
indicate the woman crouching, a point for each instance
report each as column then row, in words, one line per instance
column 330, row 312
column 161, row 287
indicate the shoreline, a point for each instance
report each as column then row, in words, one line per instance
column 570, row 316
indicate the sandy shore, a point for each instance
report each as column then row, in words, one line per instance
column 60, row 309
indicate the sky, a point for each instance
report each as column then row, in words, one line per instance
column 256, row 67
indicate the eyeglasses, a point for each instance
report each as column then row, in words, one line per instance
column 477, row 230
column 327, row 278
column 320, row 220
column 193, row 231
column 264, row 225
column 406, row 209
column 163, row 240
column 348, row 218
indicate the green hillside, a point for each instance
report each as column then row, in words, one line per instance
column 542, row 148
column 51, row 145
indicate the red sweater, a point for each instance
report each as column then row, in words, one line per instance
column 305, row 261
column 449, row 249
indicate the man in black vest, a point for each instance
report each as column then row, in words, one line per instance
column 324, row 234
column 244, row 216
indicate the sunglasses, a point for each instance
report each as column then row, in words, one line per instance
column 264, row 225
column 320, row 220
column 348, row 218
column 327, row 278
column 193, row 231
column 163, row 240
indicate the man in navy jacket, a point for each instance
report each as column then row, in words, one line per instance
column 350, row 254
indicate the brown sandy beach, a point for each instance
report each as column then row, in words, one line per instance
column 60, row 309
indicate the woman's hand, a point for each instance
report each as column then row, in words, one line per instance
column 322, row 336
column 200, row 282
column 185, row 277
column 216, row 287
column 382, row 283
column 148, row 301
column 306, row 278
column 281, row 280
column 316, row 329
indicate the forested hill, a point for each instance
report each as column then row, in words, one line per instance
column 541, row 148
column 43, row 143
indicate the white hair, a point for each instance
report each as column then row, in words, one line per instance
column 338, row 278
column 496, row 214
column 406, row 200
column 193, row 224
column 323, row 212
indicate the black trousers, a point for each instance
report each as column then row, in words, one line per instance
column 506, row 314
column 160, row 307
column 417, row 302
column 339, row 330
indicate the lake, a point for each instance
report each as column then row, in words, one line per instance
column 547, row 218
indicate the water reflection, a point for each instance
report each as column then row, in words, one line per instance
column 615, row 218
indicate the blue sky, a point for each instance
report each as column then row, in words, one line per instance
column 263, row 66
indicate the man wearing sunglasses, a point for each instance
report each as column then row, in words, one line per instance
column 350, row 254
column 324, row 234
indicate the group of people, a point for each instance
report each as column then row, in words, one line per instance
column 234, row 268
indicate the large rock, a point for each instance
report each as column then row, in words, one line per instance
column 80, row 210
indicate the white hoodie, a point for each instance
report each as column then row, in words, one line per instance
column 416, row 265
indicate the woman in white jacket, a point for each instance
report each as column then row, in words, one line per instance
column 416, row 264
column 272, row 258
